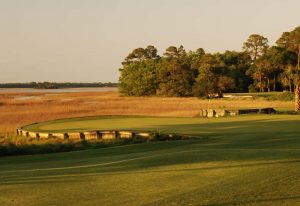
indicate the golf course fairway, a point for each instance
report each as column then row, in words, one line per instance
column 243, row 160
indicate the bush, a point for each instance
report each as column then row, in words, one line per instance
column 252, row 89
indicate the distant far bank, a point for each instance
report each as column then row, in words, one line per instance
column 60, row 90
column 57, row 85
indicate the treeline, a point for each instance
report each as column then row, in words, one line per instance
column 258, row 68
column 55, row 85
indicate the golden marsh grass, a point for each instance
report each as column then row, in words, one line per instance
column 17, row 109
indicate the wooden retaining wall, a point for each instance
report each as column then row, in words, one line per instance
column 126, row 134
column 92, row 135
column 43, row 135
column 223, row 113
column 108, row 135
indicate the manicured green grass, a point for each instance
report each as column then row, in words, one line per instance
column 245, row 160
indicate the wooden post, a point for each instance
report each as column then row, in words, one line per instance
column 99, row 135
column 66, row 136
column 82, row 136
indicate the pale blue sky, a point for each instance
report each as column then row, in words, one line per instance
column 85, row 40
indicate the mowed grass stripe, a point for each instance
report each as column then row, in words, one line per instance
column 143, row 157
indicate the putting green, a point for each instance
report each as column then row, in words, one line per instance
column 190, row 126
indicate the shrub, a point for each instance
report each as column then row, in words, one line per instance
column 252, row 88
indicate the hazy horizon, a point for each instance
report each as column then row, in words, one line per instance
column 86, row 40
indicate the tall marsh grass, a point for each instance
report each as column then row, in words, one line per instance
column 15, row 111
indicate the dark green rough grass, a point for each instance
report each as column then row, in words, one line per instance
column 248, row 160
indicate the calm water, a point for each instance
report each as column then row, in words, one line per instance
column 91, row 89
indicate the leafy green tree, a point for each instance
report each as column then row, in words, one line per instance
column 287, row 77
column 139, row 73
column 262, row 73
column 175, row 75
column 137, row 54
column 284, row 40
column 256, row 45
column 237, row 64
column 225, row 83
column 171, row 51
column 139, row 78
column 212, row 77
column 151, row 52
column 289, row 70
column 140, row 54
column 206, row 82
column 195, row 58
column 272, row 65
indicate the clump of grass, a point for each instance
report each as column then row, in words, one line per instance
column 18, row 145
column 13, row 149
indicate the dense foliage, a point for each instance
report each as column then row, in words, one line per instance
column 258, row 68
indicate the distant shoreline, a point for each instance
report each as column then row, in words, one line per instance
column 59, row 90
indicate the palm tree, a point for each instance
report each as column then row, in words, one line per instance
column 291, row 42
column 295, row 41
